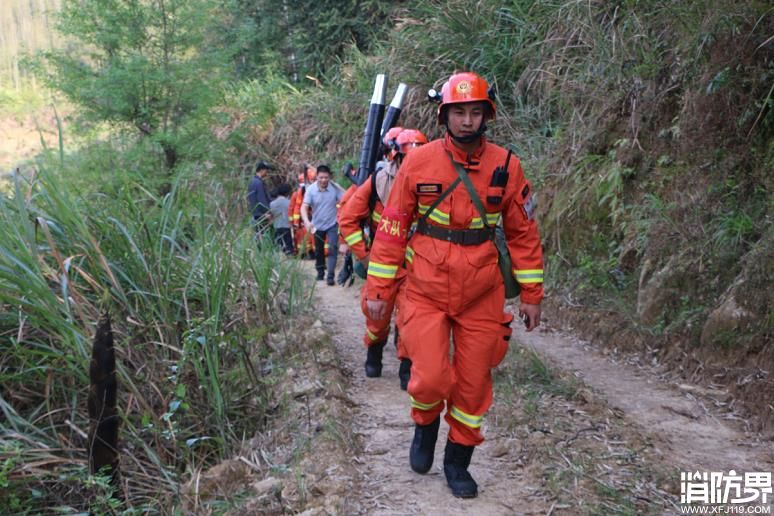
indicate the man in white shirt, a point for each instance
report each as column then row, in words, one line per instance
column 322, row 197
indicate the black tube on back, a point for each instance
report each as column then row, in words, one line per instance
column 393, row 112
column 371, row 137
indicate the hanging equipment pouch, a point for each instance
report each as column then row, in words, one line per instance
column 512, row 288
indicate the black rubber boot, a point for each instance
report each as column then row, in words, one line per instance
column 404, row 373
column 455, row 465
column 423, row 446
column 373, row 363
column 346, row 270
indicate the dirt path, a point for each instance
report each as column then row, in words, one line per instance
column 689, row 434
column 659, row 428
column 20, row 137
column 382, row 416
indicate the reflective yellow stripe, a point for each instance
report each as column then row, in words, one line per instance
column 375, row 217
column 466, row 419
column 382, row 270
column 354, row 238
column 371, row 335
column 296, row 216
column 409, row 255
column 423, row 406
column 491, row 219
column 436, row 215
column 440, row 218
column 528, row 275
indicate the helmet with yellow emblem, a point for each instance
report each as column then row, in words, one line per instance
column 461, row 88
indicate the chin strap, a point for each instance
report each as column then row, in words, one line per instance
column 469, row 138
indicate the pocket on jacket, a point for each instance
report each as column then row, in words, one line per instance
column 482, row 255
column 430, row 249
column 482, row 275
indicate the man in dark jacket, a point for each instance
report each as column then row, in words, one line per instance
column 258, row 198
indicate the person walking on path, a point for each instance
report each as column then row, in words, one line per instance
column 458, row 188
column 303, row 240
column 258, row 198
column 364, row 210
column 322, row 197
column 279, row 219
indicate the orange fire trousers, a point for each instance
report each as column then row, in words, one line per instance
column 462, row 385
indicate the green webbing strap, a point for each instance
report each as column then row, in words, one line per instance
column 512, row 287
column 471, row 190
column 440, row 199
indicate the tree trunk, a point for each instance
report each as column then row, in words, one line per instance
column 103, row 415
column 170, row 155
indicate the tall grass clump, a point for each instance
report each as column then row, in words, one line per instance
column 191, row 296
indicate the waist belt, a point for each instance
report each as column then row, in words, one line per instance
column 457, row 236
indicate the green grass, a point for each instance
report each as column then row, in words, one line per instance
column 184, row 288
column 526, row 373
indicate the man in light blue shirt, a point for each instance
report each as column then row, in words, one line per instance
column 322, row 197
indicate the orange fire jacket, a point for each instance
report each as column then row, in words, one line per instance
column 457, row 275
column 294, row 207
column 355, row 210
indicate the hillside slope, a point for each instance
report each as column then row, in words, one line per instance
column 648, row 131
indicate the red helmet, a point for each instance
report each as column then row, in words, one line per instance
column 388, row 142
column 390, row 135
column 465, row 87
column 410, row 138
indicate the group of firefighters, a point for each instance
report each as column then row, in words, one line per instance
column 424, row 227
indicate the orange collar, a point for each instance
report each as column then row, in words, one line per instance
column 471, row 162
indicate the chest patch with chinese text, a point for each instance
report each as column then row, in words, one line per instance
column 429, row 188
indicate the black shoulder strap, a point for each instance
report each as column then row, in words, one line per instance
column 374, row 196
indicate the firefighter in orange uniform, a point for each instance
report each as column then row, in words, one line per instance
column 454, row 286
column 364, row 208
column 295, row 218
column 389, row 136
column 304, row 241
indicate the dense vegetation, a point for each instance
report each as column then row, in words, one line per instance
column 646, row 126
column 191, row 300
